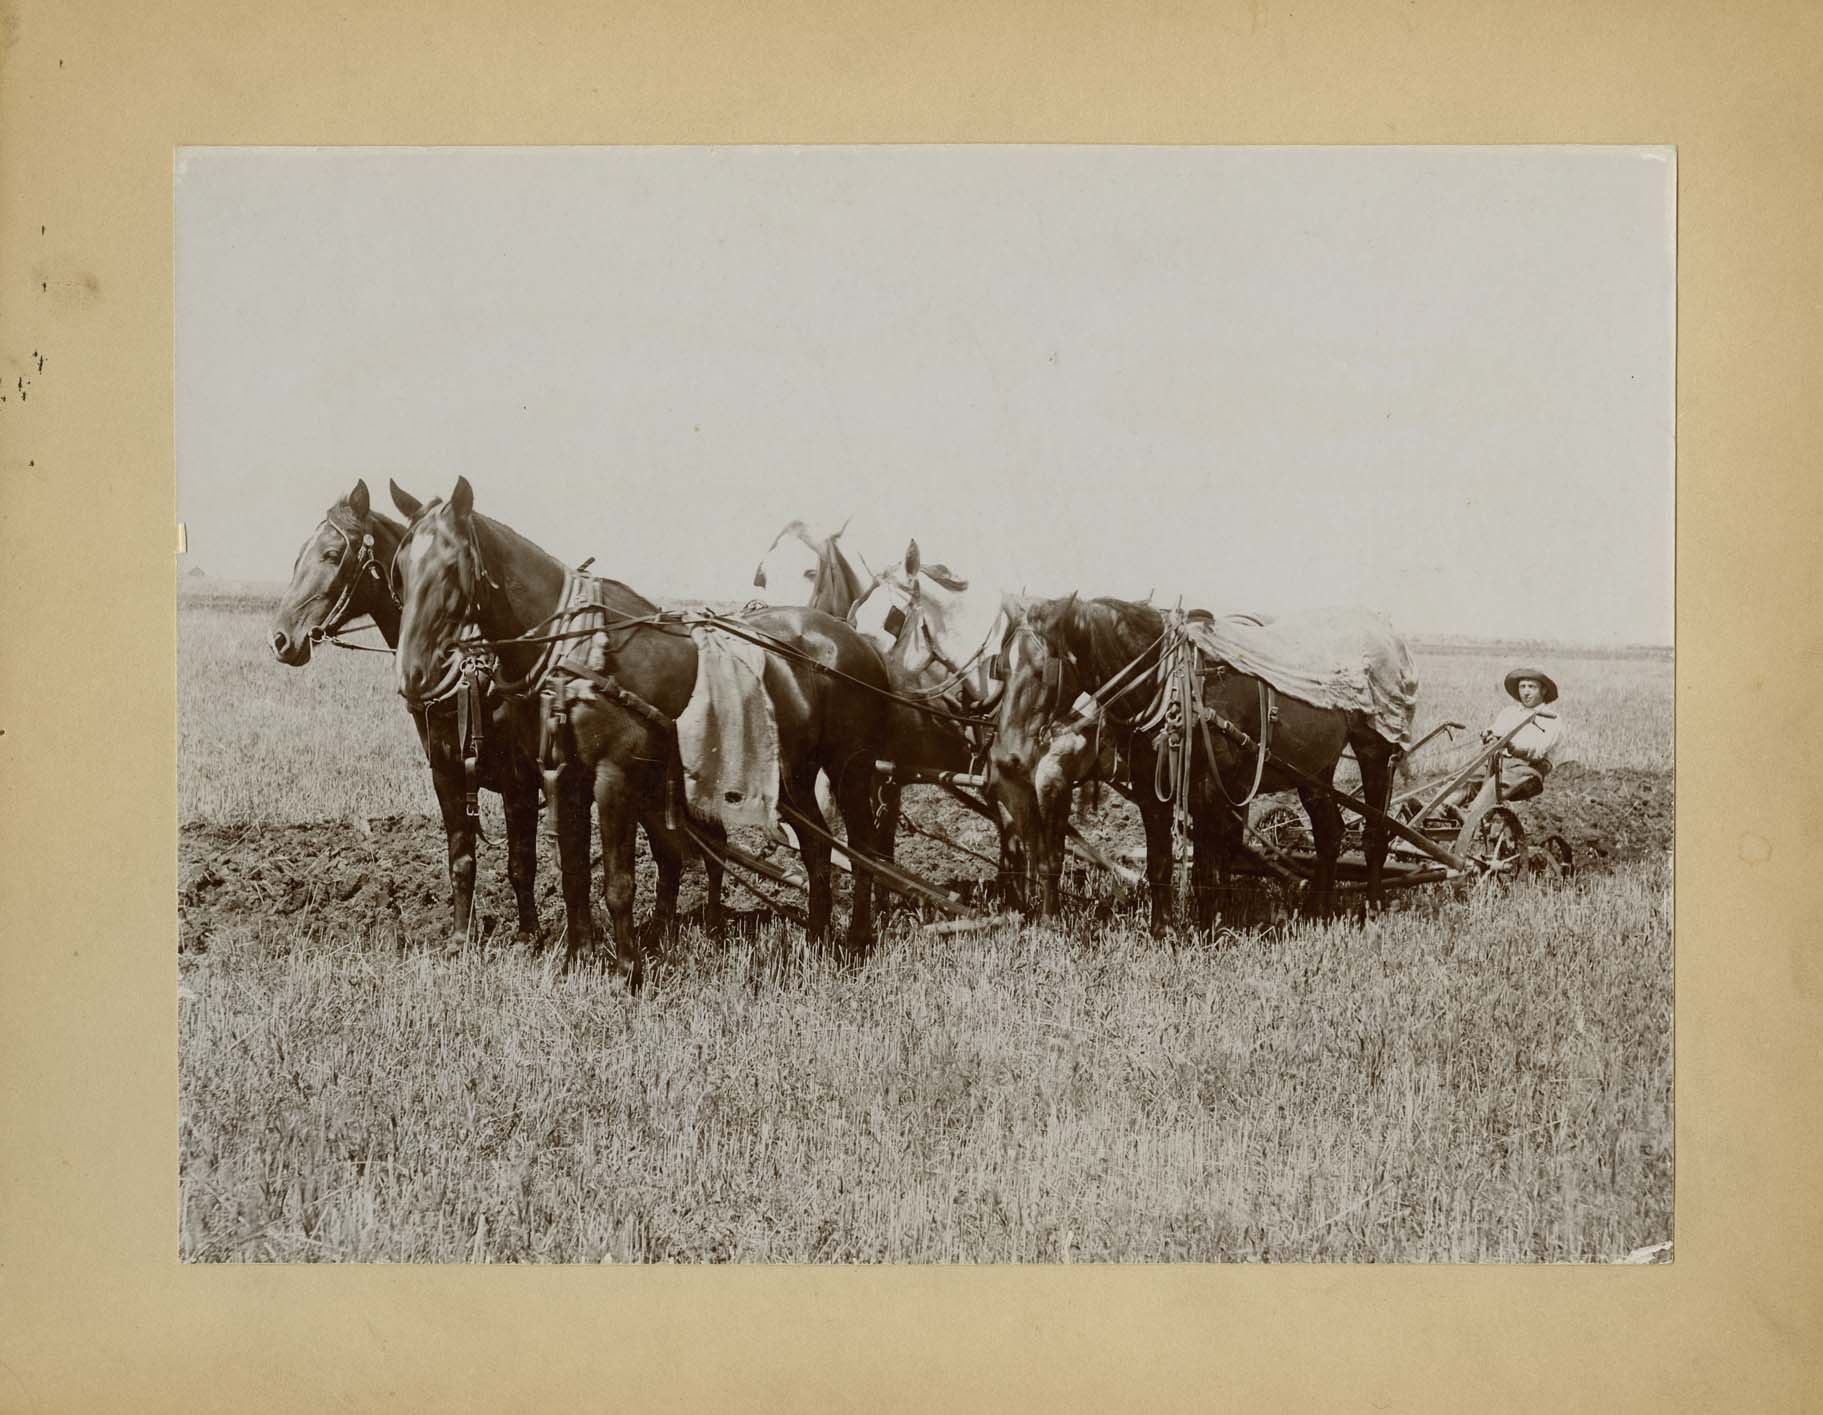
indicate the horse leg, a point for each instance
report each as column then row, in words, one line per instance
column 1326, row 828
column 1376, row 791
column 854, row 791
column 668, row 858
column 522, row 850
column 459, row 833
column 617, row 821
column 800, row 794
column 1155, row 816
column 714, row 921
column 1210, row 858
column 573, row 802
column 886, row 795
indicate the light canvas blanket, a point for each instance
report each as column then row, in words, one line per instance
column 728, row 736
column 1337, row 658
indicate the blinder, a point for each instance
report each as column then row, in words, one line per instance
column 895, row 620
column 996, row 667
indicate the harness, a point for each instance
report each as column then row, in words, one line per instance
column 1176, row 718
column 1180, row 704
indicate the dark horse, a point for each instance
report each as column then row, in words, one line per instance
column 825, row 685
column 342, row 572
column 1112, row 649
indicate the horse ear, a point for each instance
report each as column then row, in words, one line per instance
column 404, row 500
column 462, row 499
column 912, row 559
column 357, row 500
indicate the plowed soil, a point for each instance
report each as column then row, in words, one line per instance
column 390, row 875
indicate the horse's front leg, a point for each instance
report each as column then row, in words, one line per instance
column 1155, row 817
column 459, row 836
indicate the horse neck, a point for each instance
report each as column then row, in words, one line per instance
column 965, row 618
column 531, row 582
column 839, row 585
column 1105, row 636
column 375, row 599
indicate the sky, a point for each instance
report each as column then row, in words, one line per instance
column 1437, row 382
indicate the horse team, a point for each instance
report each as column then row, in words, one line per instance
column 584, row 680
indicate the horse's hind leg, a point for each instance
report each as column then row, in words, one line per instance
column 854, row 791
column 1326, row 827
column 814, row 848
column 1376, row 790
column 668, row 859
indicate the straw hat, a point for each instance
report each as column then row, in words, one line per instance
column 1545, row 682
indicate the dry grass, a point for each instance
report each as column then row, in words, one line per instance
column 1484, row 1079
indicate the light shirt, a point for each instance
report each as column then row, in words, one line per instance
column 1536, row 741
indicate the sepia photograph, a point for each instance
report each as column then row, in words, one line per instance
column 925, row 704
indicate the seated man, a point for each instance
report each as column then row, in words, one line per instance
column 1525, row 763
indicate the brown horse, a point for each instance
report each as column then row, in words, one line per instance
column 619, row 746
column 341, row 573
column 1112, row 648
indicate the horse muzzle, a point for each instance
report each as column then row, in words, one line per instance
column 291, row 651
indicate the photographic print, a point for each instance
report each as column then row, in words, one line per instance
column 925, row 704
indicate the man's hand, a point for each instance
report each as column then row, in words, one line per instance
column 1487, row 734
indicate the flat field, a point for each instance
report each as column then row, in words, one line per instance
column 1471, row 1075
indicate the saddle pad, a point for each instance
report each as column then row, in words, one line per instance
column 1335, row 658
column 728, row 736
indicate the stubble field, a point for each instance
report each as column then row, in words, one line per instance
column 1471, row 1075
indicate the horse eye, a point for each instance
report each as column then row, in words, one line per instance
column 331, row 557
column 810, row 574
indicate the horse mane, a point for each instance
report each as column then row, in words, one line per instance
column 508, row 543
column 1106, row 634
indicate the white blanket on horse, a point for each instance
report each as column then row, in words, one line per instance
column 728, row 736
column 1337, row 658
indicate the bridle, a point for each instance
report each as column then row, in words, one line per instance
column 908, row 615
column 466, row 662
column 366, row 564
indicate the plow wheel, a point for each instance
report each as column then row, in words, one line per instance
column 1497, row 846
column 1285, row 829
column 1553, row 859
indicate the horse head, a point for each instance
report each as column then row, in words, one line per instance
column 798, row 569
column 925, row 620
column 339, row 575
